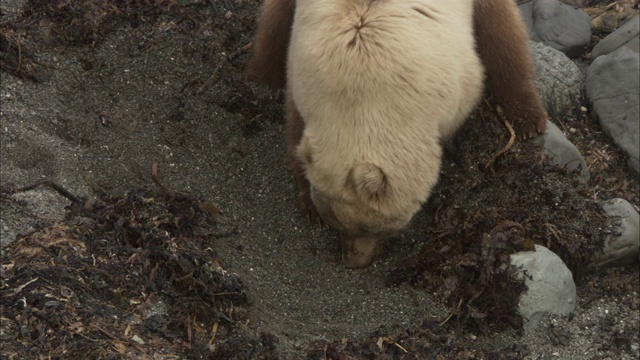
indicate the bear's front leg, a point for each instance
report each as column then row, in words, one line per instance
column 503, row 46
column 295, row 128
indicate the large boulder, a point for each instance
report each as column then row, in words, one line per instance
column 550, row 284
column 612, row 86
column 558, row 79
column 627, row 35
column 561, row 26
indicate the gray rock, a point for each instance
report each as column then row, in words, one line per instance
column 561, row 152
column 550, row 285
column 622, row 248
column 558, row 79
column 627, row 35
column 31, row 208
column 613, row 82
column 561, row 26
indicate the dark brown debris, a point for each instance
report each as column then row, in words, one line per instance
column 18, row 59
column 139, row 279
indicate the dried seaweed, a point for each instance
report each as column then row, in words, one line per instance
column 139, row 277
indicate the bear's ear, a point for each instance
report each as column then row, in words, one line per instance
column 305, row 151
column 369, row 181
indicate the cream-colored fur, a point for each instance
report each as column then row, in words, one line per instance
column 379, row 84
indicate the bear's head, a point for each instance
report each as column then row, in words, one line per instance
column 360, row 200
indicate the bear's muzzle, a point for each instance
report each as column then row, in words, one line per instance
column 360, row 251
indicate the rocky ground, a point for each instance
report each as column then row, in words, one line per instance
column 163, row 223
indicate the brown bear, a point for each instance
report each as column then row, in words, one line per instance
column 374, row 87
